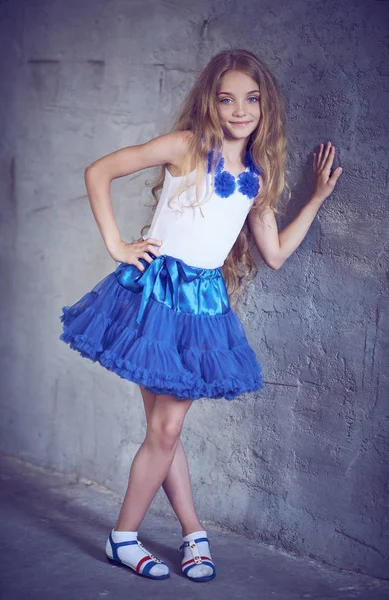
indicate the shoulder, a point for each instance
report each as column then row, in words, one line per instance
column 168, row 148
column 181, row 141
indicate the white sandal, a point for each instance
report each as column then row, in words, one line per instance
column 192, row 556
column 147, row 562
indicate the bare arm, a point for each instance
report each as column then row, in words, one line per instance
column 275, row 247
column 165, row 149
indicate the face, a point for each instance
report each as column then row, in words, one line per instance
column 238, row 104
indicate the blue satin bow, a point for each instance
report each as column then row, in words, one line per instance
column 161, row 280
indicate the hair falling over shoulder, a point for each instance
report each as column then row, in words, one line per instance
column 268, row 145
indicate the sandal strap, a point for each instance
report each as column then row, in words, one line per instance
column 203, row 539
column 151, row 562
column 116, row 545
column 195, row 552
column 192, row 560
column 154, row 558
column 148, row 567
column 191, row 563
column 196, row 559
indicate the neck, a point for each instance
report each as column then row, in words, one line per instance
column 234, row 150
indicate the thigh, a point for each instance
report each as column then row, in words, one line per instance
column 168, row 414
column 169, row 408
column 148, row 401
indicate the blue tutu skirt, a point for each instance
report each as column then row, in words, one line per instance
column 170, row 328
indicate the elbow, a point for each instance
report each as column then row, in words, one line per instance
column 275, row 263
column 96, row 171
column 94, row 166
column 274, row 266
column 89, row 176
column 86, row 173
column 91, row 172
column 87, row 169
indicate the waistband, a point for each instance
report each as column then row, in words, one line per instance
column 182, row 287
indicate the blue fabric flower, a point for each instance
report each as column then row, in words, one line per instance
column 250, row 163
column 248, row 184
column 224, row 184
column 219, row 164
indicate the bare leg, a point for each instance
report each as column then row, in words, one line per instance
column 153, row 459
column 177, row 484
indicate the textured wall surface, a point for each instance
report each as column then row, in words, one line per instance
column 304, row 463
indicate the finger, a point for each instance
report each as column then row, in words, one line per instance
column 154, row 250
column 314, row 167
column 138, row 264
column 329, row 160
column 147, row 257
column 323, row 156
column 326, row 152
column 153, row 241
column 320, row 154
column 335, row 175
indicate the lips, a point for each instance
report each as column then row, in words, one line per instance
column 240, row 122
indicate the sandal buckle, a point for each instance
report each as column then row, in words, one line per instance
column 150, row 555
column 195, row 553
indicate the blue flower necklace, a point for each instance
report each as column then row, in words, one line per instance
column 226, row 183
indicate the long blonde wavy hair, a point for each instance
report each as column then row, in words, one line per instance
column 267, row 144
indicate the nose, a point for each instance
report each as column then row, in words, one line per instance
column 239, row 108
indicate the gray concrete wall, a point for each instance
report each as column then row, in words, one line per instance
column 304, row 463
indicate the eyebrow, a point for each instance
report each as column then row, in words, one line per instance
column 231, row 94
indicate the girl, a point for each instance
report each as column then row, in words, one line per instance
column 163, row 318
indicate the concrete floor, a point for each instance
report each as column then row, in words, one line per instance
column 54, row 529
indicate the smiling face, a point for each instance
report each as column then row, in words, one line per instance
column 238, row 104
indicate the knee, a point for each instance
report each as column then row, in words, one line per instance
column 164, row 435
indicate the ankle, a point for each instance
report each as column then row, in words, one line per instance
column 186, row 530
column 122, row 526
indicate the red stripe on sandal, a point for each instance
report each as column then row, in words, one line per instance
column 140, row 563
column 193, row 560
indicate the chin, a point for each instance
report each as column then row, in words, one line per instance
column 238, row 133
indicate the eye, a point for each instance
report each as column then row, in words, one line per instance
column 253, row 98
column 223, row 100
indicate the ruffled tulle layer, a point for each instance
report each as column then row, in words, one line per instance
column 170, row 351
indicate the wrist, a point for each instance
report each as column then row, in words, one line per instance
column 113, row 245
column 317, row 199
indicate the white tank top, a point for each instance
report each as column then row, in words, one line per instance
column 204, row 241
